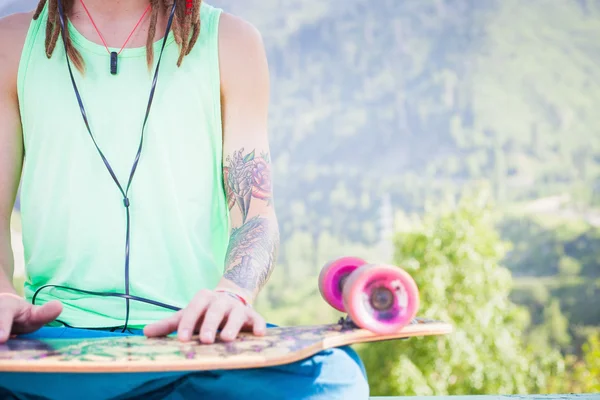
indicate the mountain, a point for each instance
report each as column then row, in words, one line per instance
column 415, row 99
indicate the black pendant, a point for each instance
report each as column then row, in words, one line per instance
column 113, row 63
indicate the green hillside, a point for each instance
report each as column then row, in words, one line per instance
column 417, row 98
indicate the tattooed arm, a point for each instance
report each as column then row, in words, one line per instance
column 254, row 238
column 247, row 169
column 247, row 179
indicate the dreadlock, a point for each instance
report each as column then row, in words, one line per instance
column 185, row 28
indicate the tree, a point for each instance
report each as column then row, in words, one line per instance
column 454, row 256
column 569, row 266
column 591, row 368
column 581, row 375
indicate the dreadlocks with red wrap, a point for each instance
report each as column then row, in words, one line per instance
column 186, row 27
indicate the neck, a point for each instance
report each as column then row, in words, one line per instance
column 124, row 9
column 115, row 20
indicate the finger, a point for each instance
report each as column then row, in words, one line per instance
column 212, row 319
column 190, row 316
column 6, row 320
column 259, row 325
column 164, row 326
column 41, row 315
column 236, row 319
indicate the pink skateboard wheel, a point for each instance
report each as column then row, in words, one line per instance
column 333, row 277
column 381, row 298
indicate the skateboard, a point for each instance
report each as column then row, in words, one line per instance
column 381, row 302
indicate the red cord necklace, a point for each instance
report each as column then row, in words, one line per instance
column 114, row 55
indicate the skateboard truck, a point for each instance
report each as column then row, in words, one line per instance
column 347, row 323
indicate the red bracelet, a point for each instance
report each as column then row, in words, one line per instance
column 232, row 294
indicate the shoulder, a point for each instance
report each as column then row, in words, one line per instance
column 15, row 23
column 237, row 33
column 241, row 50
column 13, row 31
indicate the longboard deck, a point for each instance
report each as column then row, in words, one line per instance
column 139, row 354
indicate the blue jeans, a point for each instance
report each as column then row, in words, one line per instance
column 332, row 374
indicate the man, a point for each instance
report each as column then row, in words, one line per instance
column 138, row 132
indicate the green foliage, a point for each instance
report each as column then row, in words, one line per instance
column 581, row 375
column 577, row 297
column 568, row 266
column 540, row 294
column 553, row 331
column 591, row 370
column 454, row 256
column 546, row 246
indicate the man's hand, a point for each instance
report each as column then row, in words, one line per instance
column 205, row 314
column 18, row 316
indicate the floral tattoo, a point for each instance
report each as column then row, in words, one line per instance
column 253, row 246
column 247, row 177
column 251, row 253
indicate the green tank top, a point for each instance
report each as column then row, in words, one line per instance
column 72, row 212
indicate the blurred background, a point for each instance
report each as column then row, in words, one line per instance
column 458, row 139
